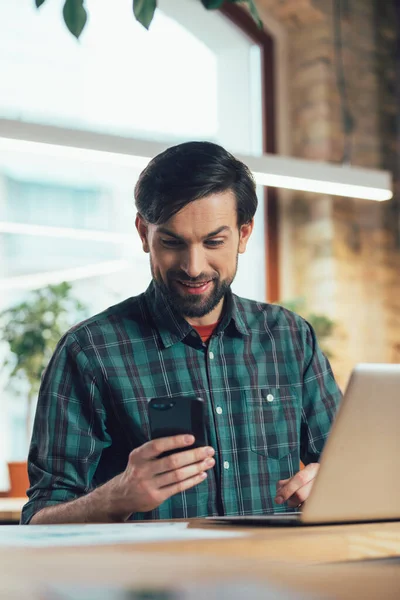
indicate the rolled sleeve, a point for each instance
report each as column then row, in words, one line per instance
column 69, row 433
column 321, row 398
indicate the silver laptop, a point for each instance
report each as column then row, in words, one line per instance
column 358, row 478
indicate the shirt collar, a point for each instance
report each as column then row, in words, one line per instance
column 173, row 328
column 232, row 314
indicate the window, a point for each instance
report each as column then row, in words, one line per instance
column 66, row 211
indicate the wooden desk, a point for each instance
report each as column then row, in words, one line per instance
column 10, row 508
column 304, row 559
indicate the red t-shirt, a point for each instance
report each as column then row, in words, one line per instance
column 205, row 331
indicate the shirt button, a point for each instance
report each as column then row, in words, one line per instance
column 270, row 398
column 219, row 410
column 211, row 355
column 226, row 465
column 193, row 334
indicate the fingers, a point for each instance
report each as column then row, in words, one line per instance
column 182, row 459
column 181, row 471
column 301, row 495
column 281, row 483
column 187, row 472
column 149, row 480
column 156, row 447
column 290, row 488
column 177, row 488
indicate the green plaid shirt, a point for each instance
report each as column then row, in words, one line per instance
column 270, row 399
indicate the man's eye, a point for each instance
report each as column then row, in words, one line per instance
column 214, row 243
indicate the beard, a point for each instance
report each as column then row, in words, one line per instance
column 192, row 305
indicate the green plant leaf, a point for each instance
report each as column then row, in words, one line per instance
column 32, row 329
column 39, row 3
column 144, row 11
column 212, row 4
column 75, row 16
column 254, row 13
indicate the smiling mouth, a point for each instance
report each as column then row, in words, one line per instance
column 195, row 288
column 189, row 284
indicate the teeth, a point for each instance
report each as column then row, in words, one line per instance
column 196, row 285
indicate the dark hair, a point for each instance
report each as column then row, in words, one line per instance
column 189, row 172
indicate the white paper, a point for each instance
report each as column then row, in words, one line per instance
column 40, row 536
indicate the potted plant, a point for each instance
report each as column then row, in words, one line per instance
column 322, row 325
column 31, row 329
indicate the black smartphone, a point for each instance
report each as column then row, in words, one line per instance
column 175, row 416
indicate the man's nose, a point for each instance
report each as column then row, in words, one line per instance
column 193, row 262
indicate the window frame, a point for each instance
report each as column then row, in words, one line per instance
column 245, row 22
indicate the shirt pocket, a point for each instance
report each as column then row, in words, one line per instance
column 273, row 418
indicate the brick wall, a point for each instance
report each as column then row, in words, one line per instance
column 343, row 255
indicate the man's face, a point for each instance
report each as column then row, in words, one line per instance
column 194, row 255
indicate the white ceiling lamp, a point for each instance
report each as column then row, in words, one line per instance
column 320, row 177
column 268, row 169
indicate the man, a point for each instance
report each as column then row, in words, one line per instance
column 269, row 391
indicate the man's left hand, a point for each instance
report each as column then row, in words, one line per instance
column 296, row 490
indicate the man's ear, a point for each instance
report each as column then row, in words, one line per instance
column 143, row 231
column 244, row 235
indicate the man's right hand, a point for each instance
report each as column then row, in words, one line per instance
column 149, row 480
